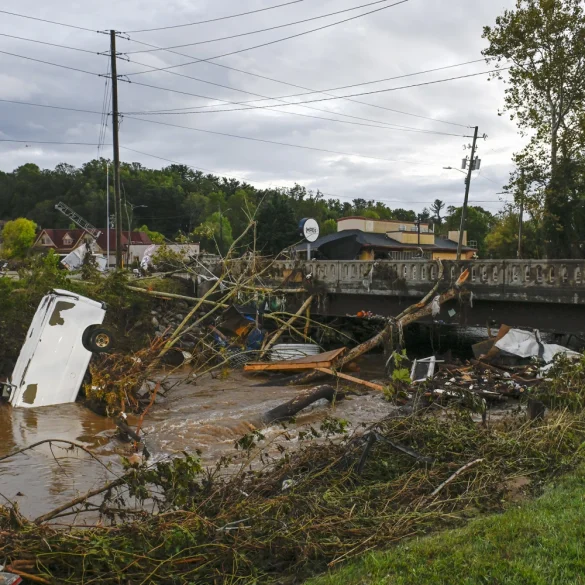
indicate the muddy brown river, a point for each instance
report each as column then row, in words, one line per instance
column 209, row 415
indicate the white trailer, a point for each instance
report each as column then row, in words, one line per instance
column 59, row 344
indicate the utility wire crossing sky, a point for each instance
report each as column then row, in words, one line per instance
column 390, row 145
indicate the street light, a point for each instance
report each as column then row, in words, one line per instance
column 454, row 169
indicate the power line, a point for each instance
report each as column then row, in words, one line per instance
column 324, row 91
column 49, row 63
column 153, row 112
column 50, row 107
column 372, row 92
column 285, row 103
column 50, row 44
column 49, row 21
column 376, row 123
column 259, row 30
column 276, row 40
column 270, row 141
column 214, row 19
column 227, row 67
column 48, row 142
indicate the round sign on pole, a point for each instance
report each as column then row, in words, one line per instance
column 310, row 229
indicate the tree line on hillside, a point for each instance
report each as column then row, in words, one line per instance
column 178, row 203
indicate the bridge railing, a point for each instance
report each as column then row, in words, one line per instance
column 407, row 273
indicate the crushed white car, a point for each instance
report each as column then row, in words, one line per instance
column 65, row 331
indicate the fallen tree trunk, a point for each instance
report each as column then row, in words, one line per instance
column 381, row 337
column 299, row 402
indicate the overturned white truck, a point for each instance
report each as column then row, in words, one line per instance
column 65, row 331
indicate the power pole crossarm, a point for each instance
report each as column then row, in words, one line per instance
column 115, row 130
column 467, row 185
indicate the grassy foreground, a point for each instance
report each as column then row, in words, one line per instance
column 541, row 542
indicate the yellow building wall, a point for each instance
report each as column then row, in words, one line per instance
column 377, row 226
column 412, row 238
column 351, row 224
column 454, row 236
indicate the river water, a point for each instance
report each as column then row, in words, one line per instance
column 209, row 415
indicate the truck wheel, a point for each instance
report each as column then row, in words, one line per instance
column 98, row 340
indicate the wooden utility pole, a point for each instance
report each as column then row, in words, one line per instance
column 115, row 129
column 521, row 218
column 467, row 185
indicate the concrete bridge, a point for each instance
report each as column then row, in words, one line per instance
column 544, row 294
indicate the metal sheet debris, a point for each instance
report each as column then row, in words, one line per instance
column 527, row 344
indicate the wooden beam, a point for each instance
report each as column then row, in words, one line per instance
column 351, row 379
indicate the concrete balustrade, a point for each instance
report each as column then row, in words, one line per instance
column 551, row 281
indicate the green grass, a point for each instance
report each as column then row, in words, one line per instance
column 541, row 542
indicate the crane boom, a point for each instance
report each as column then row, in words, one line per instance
column 77, row 219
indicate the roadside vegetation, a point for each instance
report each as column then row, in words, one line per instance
column 532, row 543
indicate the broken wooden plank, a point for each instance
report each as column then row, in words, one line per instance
column 351, row 379
column 309, row 362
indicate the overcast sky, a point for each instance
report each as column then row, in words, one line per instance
column 408, row 38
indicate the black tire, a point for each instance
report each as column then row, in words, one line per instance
column 98, row 340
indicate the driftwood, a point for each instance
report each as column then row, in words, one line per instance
column 299, row 402
column 351, row 379
column 455, row 475
column 381, row 337
column 81, row 499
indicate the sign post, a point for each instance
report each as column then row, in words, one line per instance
column 309, row 229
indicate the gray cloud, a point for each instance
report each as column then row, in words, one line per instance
column 418, row 35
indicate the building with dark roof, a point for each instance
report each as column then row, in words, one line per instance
column 64, row 241
column 360, row 238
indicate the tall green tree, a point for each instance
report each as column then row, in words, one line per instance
column 277, row 225
column 543, row 43
column 479, row 224
column 328, row 227
column 215, row 233
column 502, row 240
column 18, row 236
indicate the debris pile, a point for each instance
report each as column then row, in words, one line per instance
column 300, row 514
column 483, row 380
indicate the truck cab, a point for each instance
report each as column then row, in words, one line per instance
column 64, row 333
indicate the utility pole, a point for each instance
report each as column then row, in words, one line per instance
column 467, row 185
column 115, row 129
column 521, row 218
column 108, row 216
